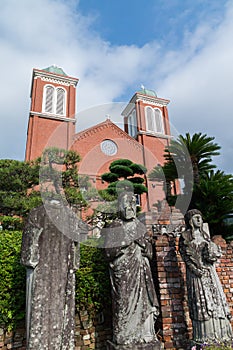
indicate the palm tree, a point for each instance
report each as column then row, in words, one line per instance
column 213, row 196
column 192, row 154
column 166, row 174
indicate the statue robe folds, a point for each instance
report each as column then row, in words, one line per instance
column 135, row 304
column 50, row 253
column 208, row 307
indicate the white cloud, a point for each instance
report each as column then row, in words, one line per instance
column 201, row 88
column 40, row 33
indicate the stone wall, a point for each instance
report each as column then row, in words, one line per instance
column 173, row 326
column 92, row 333
column 13, row 340
column 89, row 334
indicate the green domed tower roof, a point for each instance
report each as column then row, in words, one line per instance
column 54, row 69
column 147, row 92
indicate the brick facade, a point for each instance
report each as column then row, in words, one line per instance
column 47, row 129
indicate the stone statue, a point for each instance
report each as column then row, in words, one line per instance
column 135, row 305
column 51, row 257
column 208, row 307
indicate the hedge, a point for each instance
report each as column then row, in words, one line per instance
column 92, row 280
column 11, row 223
column 12, row 279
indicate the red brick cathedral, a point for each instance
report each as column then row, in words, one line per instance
column 52, row 123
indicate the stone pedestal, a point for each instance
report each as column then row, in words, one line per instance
column 142, row 346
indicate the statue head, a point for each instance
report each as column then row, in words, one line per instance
column 127, row 205
column 193, row 218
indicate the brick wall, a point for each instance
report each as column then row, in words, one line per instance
column 173, row 325
column 224, row 269
column 174, row 320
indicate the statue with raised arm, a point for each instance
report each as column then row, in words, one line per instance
column 208, row 307
column 135, row 306
column 50, row 252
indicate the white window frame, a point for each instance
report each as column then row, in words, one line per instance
column 156, row 124
column 54, row 100
column 64, row 100
column 150, row 128
column 45, row 98
column 159, row 124
column 132, row 124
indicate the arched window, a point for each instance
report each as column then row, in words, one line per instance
column 154, row 120
column 60, row 105
column 150, row 119
column 132, row 124
column 158, row 121
column 54, row 100
column 49, row 99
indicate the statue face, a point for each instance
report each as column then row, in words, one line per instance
column 197, row 220
column 128, row 206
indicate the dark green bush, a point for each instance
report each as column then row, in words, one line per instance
column 12, row 277
column 92, row 279
column 125, row 162
column 92, row 291
column 11, row 223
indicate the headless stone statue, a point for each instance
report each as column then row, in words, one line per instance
column 135, row 305
column 208, row 307
column 51, row 257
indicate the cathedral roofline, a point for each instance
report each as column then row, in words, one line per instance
column 144, row 97
column 107, row 123
column 51, row 77
column 40, row 73
column 55, row 69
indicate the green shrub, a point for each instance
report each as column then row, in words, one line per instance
column 11, row 223
column 12, row 277
column 92, row 291
column 92, row 279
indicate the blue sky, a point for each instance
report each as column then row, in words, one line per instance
column 133, row 22
column 180, row 48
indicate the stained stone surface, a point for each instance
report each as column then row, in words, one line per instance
column 51, row 259
column 135, row 306
column 208, row 307
column 144, row 346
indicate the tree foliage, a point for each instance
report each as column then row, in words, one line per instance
column 18, row 181
column 54, row 175
column 213, row 196
column 192, row 154
column 59, row 176
column 92, row 280
column 12, row 276
column 190, row 158
column 122, row 177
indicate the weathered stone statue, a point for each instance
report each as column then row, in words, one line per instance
column 135, row 305
column 51, row 256
column 208, row 308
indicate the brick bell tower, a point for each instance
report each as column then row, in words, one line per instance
column 146, row 120
column 52, row 114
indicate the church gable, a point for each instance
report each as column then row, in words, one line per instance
column 99, row 145
column 109, row 127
